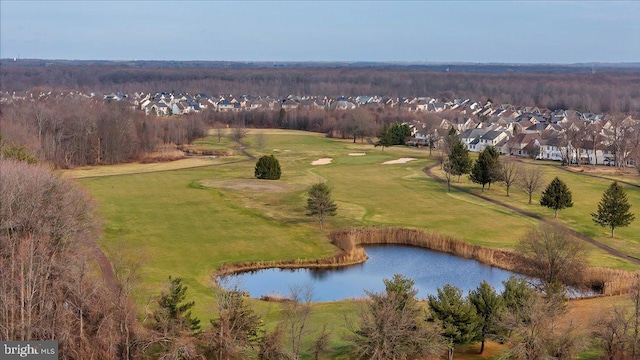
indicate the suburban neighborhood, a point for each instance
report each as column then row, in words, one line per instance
column 569, row 136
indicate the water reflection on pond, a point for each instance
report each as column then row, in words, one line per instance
column 430, row 270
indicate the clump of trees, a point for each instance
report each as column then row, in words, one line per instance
column 70, row 131
column 613, row 209
column 391, row 325
column 394, row 134
column 268, row 168
column 48, row 290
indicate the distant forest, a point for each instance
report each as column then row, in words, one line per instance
column 608, row 89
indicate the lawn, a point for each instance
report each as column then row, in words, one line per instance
column 186, row 218
column 586, row 193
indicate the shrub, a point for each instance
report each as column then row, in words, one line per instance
column 268, row 168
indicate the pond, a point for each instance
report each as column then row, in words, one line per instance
column 429, row 269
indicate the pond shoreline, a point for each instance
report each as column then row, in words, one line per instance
column 350, row 241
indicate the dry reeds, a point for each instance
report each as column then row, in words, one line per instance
column 344, row 258
column 350, row 239
column 162, row 156
column 610, row 281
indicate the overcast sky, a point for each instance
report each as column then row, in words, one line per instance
column 411, row 31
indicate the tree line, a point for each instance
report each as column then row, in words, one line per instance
column 73, row 130
column 70, row 131
column 604, row 92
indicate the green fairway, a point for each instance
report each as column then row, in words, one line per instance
column 586, row 193
column 187, row 222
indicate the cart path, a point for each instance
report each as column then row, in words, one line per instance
column 578, row 235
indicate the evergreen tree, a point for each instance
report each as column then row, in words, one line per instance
column 320, row 203
column 385, row 138
column 393, row 135
column 268, row 168
column 457, row 316
column 488, row 305
column 486, row 169
column 613, row 209
column 174, row 315
column 399, row 132
column 556, row 196
column 459, row 159
column 517, row 294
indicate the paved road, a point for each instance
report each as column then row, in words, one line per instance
column 610, row 250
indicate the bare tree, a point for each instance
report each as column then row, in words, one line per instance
column 261, row 140
column 594, row 137
column 236, row 330
column 297, row 312
column 220, row 130
column 511, row 172
column 239, row 132
column 611, row 330
column 392, row 326
column 554, row 257
column 635, row 322
column 535, row 336
column 531, row 180
column 573, row 135
column 47, row 287
column 447, row 166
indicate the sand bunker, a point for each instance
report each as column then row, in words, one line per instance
column 357, row 154
column 323, row 161
column 399, row 161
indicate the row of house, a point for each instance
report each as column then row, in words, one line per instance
column 584, row 141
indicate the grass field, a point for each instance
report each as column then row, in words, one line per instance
column 187, row 217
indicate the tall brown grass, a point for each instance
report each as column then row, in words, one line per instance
column 350, row 241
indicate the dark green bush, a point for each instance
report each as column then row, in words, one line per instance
column 268, row 168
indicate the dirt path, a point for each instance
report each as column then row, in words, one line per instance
column 578, row 235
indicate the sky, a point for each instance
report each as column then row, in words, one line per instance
column 387, row 31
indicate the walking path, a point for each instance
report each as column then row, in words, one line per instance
column 428, row 171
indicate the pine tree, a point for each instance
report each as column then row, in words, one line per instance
column 486, row 169
column 458, row 317
column 459, row 158
column 174, row 315
column 488, row 304
column 613, row 209
column 320, row 203
column 556, row 196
